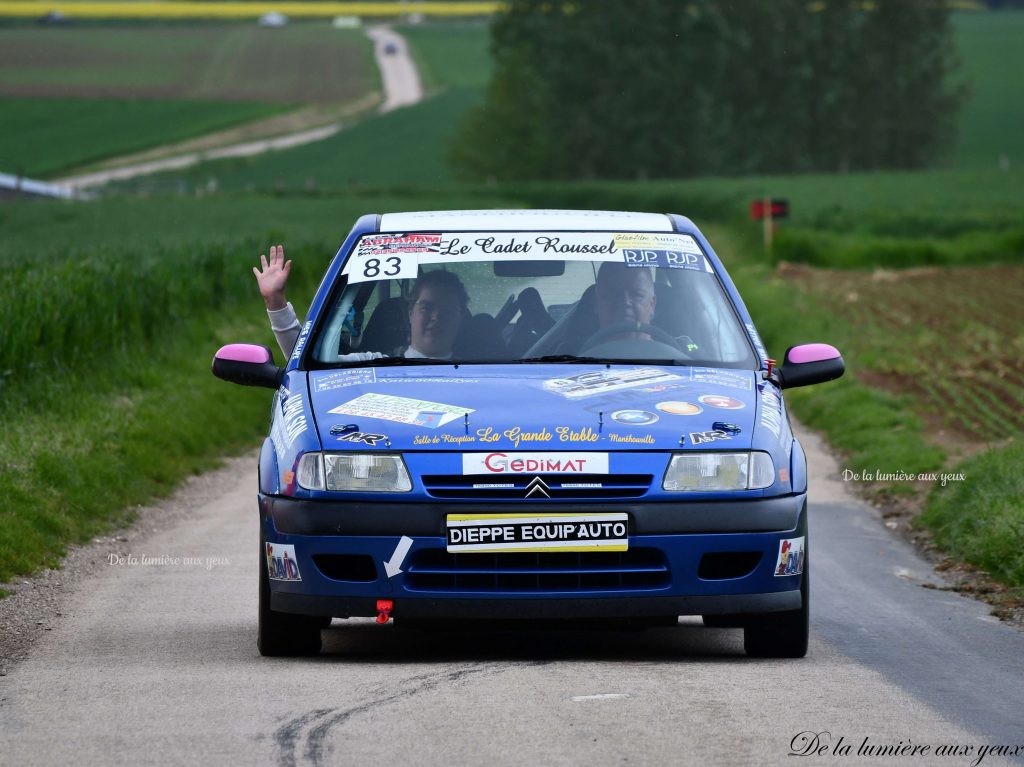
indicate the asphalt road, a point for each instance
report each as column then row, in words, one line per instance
column 401, row 83
column 157, row 663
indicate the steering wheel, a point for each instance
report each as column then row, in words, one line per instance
column 656, row 334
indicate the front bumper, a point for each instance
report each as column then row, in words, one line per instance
column 685, row 559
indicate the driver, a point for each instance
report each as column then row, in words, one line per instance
column 436, row 311
column 624, row 295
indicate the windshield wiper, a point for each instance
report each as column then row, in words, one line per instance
column 567, row 358
column 393, row 361
column 602, row 360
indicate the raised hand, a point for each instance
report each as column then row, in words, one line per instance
column 273, row 278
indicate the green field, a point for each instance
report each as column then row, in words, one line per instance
column 451, row 55
column 75, row 95
column 43, row 137
column 401, row 149
column 119, row 292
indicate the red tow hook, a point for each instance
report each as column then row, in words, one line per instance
column 384, row 608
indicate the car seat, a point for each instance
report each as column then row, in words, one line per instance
column 388, row 327
column 479, row 338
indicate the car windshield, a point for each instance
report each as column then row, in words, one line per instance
column 530, row 297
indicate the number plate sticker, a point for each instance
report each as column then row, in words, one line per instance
column 393, row 266
column 468, row 533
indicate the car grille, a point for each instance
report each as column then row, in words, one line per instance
column 520, row 486
column 532, row 572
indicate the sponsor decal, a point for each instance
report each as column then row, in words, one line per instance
column 301, row 342
column 791, row 557
column 635, row 417
column 631, row 439
column 387, row 244
column 679, row 408
column 534, row 463
column 720, row 400
column 542, row 246
column 443, row 439
column 720, row 377
column 428, row 379
column 489, row 435
column 771, row 410
column 701, row 437
column 281, row 563
column 339, row 379
column 668, row 259
column 756, row 340
column 532, row 532
column 601, row 381
column 656, row 241
column 568, row 434
column 515, row 435
column 293, row 415
column 363, row 438
column 387, row 407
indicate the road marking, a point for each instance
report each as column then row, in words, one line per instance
column 602, row 696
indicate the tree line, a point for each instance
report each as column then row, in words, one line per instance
column 661, row 88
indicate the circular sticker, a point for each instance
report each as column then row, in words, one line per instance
column 720, row 400
column 634, row 417
column 679, row 408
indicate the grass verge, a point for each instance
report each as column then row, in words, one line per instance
column 873, row 429
column 980, row 518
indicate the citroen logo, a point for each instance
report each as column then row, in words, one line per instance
column 537, row 486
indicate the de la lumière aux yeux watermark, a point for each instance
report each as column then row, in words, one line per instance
column 822, row 744
column 901, row 476
column 134, row 560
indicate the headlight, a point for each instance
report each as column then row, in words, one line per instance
column 719, row 471
column 354, row 473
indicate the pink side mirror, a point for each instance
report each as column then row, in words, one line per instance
column 811, row 353
column 810, row 364
column 248, row 365
column 245, row 353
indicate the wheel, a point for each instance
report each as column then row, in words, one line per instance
column 780, row 635
column 284, row 634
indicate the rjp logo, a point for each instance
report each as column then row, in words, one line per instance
column 641, row 257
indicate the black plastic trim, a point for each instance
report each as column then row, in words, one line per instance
column 539, row 609
column 305, row 517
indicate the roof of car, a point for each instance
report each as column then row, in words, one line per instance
column 525, row 220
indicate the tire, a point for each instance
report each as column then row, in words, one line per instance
column 284, row 634
column 781, row 635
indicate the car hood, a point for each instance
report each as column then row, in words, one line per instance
column 534, row 407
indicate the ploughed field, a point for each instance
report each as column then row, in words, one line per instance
column 951, row 337
column 75, row 95
column 302, row 63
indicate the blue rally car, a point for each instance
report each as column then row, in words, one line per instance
column 531, row 415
